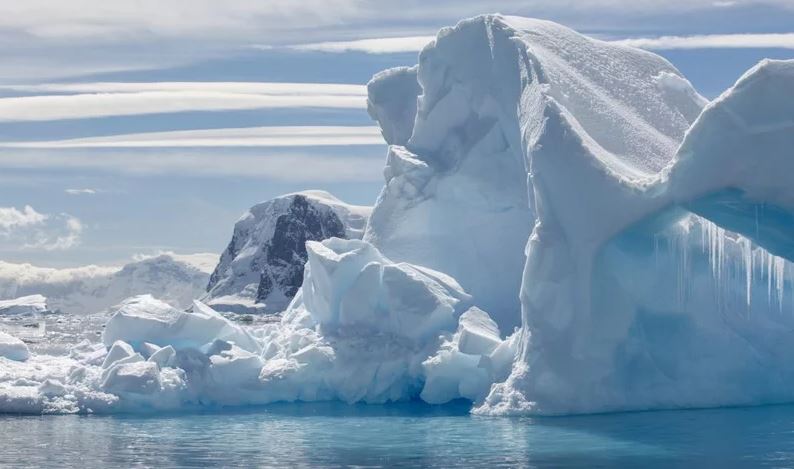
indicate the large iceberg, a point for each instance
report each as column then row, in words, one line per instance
column 659, row 233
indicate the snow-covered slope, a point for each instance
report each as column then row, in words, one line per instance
column 175, row 278
column 262, row 268
column 457, row 197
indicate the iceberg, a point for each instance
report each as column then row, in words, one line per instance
column 653, row 229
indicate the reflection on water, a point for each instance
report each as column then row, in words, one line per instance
column 334, row 435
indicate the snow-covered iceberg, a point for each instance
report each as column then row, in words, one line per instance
column 637, row 249
column 262, row 268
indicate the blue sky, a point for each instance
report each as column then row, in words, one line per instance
column 251, row 99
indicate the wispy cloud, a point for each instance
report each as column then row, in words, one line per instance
column 124, row 99
column 30, row 229
column 321, row 165
column 713, row 41
column 81, row 191
column 391, row 45
column 275, row 136
column 384, row 45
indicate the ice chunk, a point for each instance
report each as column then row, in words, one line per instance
column 143, row 319
column 25, row 305
column 350, row 284
column 118, row 351
column 468, row 362
column 139, row 377
column 163, row 357
column 13, row 348
column 391, row 101
column 479, row 334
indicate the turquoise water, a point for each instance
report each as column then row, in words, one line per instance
column 335, row 435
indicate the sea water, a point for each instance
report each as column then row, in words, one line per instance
column 404, row 435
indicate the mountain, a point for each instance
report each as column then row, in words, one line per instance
column 262, row 268
column 174, row 278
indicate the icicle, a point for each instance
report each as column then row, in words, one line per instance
column 747, row 256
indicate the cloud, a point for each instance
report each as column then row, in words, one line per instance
column 81, row 191
column 385, row 45
column 709, row 41
column 203, row 261
column 125, row 99
column 11, row 218
column 320, row 165
column 713, row 41
column 273, row 136
column 30, row 229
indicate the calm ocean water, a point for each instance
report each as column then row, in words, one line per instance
column 406, row 435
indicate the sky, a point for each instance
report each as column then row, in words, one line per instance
column 130, row 128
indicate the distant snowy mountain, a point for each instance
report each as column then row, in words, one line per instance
column 175, row 278
column 262, row 268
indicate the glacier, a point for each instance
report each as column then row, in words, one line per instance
column 566, row 226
